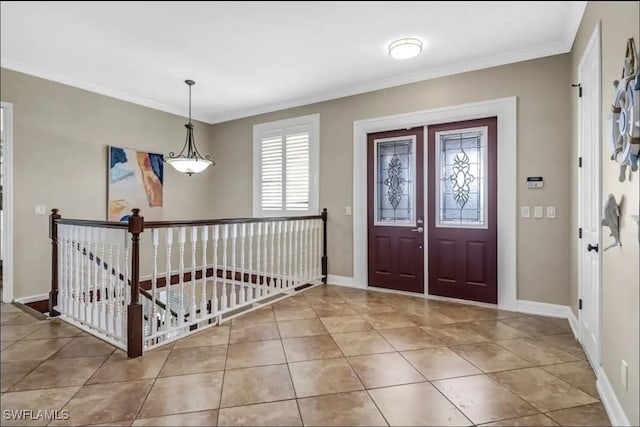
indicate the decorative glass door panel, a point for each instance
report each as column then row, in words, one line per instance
column 461, row 178
column 395, row 181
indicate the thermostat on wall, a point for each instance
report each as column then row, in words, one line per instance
column 535, row 182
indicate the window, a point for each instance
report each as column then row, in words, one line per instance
column 285, row 167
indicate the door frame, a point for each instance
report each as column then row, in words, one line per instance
column 594, row 43
column 7, row 234
column 505, row 109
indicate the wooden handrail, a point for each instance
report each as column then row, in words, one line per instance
column 91, row 223
column 184, row 223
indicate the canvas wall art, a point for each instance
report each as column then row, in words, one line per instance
column 135, row 181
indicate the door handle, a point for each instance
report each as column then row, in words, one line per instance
column 592, row 247
column 419, row 230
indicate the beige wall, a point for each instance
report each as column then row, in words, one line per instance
column 542, row 88
column 60, row 142
column 621, row 265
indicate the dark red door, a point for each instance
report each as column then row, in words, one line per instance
column 396, row 209
column 462, row 205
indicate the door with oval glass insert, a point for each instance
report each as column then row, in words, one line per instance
column 462, row 203
column 396, row 210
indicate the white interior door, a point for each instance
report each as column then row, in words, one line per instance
column 589, row 248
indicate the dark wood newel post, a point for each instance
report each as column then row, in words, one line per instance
column 134, row 311
column 53, row 235
column 324, row 246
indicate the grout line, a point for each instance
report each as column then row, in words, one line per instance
column 224, row 374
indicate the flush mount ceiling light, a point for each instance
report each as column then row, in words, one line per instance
column 405, row 48
column 192, row 161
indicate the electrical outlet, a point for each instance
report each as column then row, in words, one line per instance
column 525, row 212
column 537, row 211
column 39, row 210
column 623, row 374
column 347, row 210
column 551, row 212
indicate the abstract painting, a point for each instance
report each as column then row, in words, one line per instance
column 135, row 181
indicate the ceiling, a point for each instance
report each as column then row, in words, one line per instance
column 254, row 57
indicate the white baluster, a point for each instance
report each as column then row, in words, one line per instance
column 234, row 237
column 243, row 231
column 290, row 225
column 259, row 288
column 110, row 306
column 181, row 240
column 308, row 251
column 313, row 249
column 318, row 248
column 272, row 270
column 116, row 292
column 154, row 280
column 203, row 298
column 125, row 285
column 251, row 288
column 296, row 252
column 265, row 258
column 96, row 282
column 278, row 235
column 167, row 281
column 225, row 238
column 214, row 291
column 194, row 242
column 83, row 277
column 104, row 295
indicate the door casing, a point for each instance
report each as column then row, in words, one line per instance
column 505, row 109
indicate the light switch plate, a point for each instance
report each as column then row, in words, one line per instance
column 39, row 210
column 551, row 212
column 347, row 210
column 537, row 211
column 525, row 212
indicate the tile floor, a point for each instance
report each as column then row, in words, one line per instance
column 329, row 356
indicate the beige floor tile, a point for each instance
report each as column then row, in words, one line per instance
column 17, row 318
column 343, row 324
column 294, row 313
column 344, row 409
column 85, row 347
column 114, row 424
column 494, row 330
column 258, row 353
column 185, row 393
column 565, row 342
column 589, row 415
column 195, row 360
column 256, row 385
column 332, row 310
column 247, row 332
column 490, row 357
column 301, row 328
column 530, row 421
column 263, row 315
column 438, row 363
column 12, row 372
column 33, row 350
column 18, row 332
column 56, row 373
column 543, row 390
column 332, row 298
column 532, row 326
column 385, row 369
column 310, row 348
column 427, row 317
column 216, row 335
column 284, row 413
column 578, row 374
column 357, row 343
column 482, row 400
column 105, row 403
column 5, row 344
column 120, row 368
column 388, row 320
column 537, row 351
column 455, row 334
column 297, row 301
column 54, row 329
column 324, row 376
column 372, row 307
column 35, row 400
column 202, row 418
column 412, row 338
column 417, row 405
column 466, row 313
column 560, row 323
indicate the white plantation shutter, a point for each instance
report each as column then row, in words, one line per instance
column 286, row 167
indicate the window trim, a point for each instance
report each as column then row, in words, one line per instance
column 259, row 130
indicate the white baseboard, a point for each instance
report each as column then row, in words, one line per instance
column 543, row 309
column 610, row 401
column 573, row 322
column 32, row 298
column 333, row 279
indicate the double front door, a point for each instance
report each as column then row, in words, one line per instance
column 457, row 234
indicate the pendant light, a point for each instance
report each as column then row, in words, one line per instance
column 192, row 161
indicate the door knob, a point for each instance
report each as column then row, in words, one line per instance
column 591, row 247
column 419, row 229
